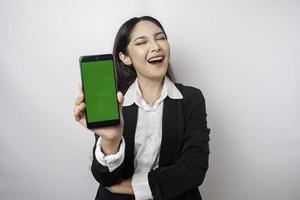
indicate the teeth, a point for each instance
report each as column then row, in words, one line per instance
column 156, row 59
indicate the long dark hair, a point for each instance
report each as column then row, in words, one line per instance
column 126, row 75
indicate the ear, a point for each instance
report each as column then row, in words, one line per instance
column 125, row 59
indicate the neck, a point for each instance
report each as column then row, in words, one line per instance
column 151, row 89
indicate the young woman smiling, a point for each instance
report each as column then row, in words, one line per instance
column 160, row 150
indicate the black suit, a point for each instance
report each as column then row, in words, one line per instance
column 184, row 150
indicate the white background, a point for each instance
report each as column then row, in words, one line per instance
column 243, row 55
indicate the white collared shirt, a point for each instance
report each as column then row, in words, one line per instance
column 148, row 136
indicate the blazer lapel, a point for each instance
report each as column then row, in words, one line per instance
column 170, row 127
column 130, row 121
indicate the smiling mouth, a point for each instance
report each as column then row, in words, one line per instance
column 156, row 60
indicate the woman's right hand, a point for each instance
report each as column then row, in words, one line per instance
column 111, row 136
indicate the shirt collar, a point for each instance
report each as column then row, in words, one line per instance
column 134, row 95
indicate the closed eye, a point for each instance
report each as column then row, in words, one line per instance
column 161, row 38
column 140, row 43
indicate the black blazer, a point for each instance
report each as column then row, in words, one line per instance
column 183, row 156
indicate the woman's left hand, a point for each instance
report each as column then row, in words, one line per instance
column 124, row 187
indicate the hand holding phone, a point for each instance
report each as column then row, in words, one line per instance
column 111, row 132
column 111, row 136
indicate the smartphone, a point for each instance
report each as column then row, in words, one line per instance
column 100, row 90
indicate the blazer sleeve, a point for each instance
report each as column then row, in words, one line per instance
column 102, row 174
column 188, row 170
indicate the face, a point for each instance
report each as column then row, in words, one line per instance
column 148, row 51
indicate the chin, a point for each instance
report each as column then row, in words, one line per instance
column 159, row 76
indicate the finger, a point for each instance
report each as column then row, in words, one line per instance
column 82, row 110
column 79, row 111
column 121, row 101
column 82, row 106
column 120, row 98
column 79, row 99
column 77, row 114
column 77, row 118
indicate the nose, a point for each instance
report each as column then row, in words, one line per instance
column 155, row 46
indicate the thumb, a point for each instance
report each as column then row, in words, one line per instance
column 121, row 101
column 120, row 98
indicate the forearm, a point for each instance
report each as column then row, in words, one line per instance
column 123, row 187
column 107, row 169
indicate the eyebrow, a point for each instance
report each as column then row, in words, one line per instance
column 143, row 37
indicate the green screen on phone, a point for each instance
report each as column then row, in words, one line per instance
column 100, row 90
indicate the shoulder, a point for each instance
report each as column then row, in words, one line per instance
column 190, row 93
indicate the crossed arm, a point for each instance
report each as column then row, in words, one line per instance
column 123, row 187
column 187, row 172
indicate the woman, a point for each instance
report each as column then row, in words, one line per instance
column 160, row 150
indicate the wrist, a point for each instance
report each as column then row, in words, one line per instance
column 110, row 146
